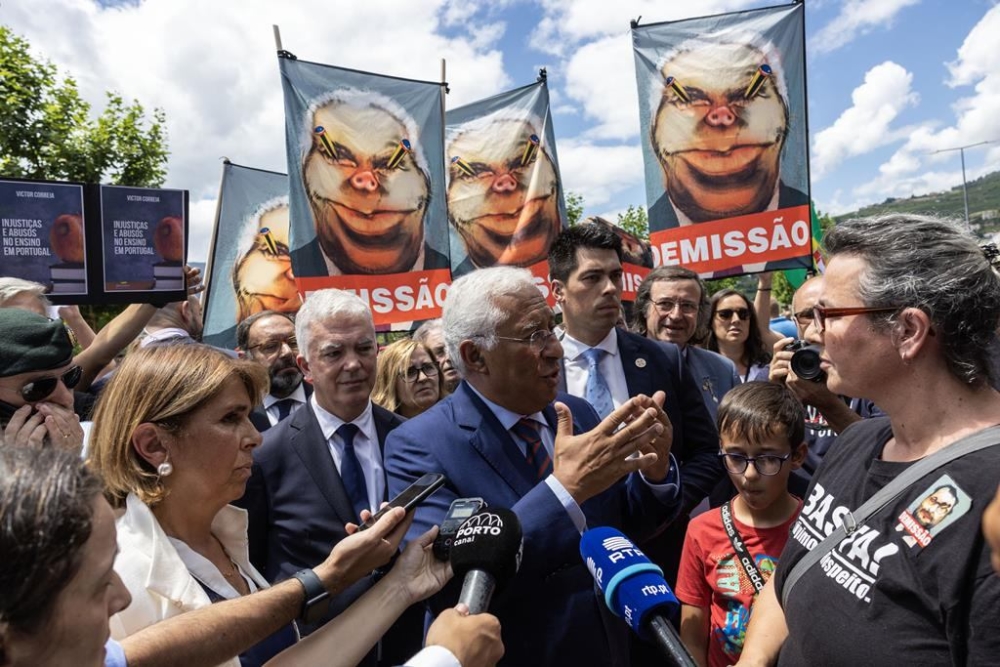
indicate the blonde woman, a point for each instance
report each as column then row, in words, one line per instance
column 408, row 380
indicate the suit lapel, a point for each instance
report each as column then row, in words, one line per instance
column 492, row 441
column 314, row 451
column 634, row 363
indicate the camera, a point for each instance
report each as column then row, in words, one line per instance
column 805, row 360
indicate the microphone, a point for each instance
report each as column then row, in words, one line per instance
column 634, row 589
column 487, row 552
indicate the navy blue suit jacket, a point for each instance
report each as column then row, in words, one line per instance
column 714, row 374
column 297, row 502
column 651, row 366
column 549, row 612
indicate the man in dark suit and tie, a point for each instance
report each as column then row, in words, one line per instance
column 269, row 339
column 500, row 436
column 319, row 468
column 607, row 365
column 670, row 305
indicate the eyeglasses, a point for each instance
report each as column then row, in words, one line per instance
column 412, row 374
column 821, row 314
column 804, row 317
column 41, row 388
column 272, row 347
column 766, row 464
column 538, row 340
column 666, row 306
column 727, row 313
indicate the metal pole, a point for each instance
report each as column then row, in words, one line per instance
column 965, row 187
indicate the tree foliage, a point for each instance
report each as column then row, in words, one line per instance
column 635, row 221
column 47, row 131
column 574, row 208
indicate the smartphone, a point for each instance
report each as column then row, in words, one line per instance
column 412, row 496
column 460, row 510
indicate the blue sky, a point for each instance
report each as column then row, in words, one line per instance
column 890, row 81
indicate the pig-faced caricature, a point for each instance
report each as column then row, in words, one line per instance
column 367, row 183
column 502, row 191
column 718, row 131
column 262, row 274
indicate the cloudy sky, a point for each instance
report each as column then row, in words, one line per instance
column 890, row 81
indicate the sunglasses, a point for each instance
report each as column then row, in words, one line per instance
column 727, row 313
column 41, row 388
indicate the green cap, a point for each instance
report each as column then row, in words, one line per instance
column 31, row 343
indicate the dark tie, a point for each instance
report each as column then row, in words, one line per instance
column 536, row 454
column 350, row 470
column 597, row 392
column 285, row 406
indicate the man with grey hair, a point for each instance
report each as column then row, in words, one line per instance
column 268, row 337
column 503, row 437
column 317, row 470
column 431, row 334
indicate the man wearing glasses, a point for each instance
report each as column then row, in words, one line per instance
column 268, row 337
column 37, row 377
column 506, row 435
column 827, row 414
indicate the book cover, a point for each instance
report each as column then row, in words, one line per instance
column 142, row 228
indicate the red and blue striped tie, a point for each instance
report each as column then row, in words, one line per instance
column 536, row 454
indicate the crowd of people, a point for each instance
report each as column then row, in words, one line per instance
column 187, row 504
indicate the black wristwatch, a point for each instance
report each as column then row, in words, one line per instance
column 317, row 598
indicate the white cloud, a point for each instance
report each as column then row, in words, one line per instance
column 212, row 67
column 977, row 119
column 856, row 18
column 867, row 124
column 598, row 172
column 600, row 77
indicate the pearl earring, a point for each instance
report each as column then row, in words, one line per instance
column 164, row 469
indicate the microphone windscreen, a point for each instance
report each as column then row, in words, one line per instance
column 489, row 540
column 612, row 558
column 638, row 597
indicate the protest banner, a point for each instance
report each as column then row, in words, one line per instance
column 366, row 188
column 42, row 231
column 723, row 116
column 505, row 196
column 95, row 244
column 249, row 268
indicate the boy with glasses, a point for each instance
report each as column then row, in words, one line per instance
column 731, row 551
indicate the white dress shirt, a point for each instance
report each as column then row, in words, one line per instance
column 365, row 446
column 610, row 366
column 271, row 407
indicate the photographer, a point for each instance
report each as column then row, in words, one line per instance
column 827, row 413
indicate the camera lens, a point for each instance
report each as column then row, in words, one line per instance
column 805, row 363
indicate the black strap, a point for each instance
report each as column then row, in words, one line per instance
column 987, row 437
column 746, row 560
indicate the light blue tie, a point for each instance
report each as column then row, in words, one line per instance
column 597, row 392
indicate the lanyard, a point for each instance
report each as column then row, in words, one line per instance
column 746, row 560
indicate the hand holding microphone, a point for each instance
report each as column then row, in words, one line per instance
column 634, row 589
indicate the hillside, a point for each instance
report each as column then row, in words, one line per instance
column 984, row 204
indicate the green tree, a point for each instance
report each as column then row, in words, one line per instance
column 47, row 131
column 635, row 221
column 574, row 208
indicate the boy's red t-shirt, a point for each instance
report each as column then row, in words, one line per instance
column 710, row 575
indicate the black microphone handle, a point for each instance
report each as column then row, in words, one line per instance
column 477, row 590
column 670, row 644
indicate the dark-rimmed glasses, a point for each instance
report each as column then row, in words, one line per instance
column 412, row 374
column 820, row 314
column 804, row 317
column 271, row 347
column 39, row 389
column 766, row 464
column 538, row 340
column 666, row 306
column 727, row 313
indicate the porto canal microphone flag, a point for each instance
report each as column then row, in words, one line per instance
column 249, row 268
column 505, row 196
column 366, row 188
column 723, row 115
